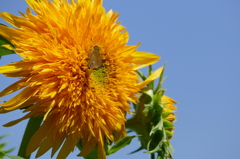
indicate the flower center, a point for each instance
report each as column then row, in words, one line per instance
column 99, row 78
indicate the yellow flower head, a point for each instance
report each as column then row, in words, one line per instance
column 76, row 72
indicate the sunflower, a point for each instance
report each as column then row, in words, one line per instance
column 77, row 73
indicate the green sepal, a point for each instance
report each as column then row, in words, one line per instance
column 147, row 99
column 169, row 134
column 121, row 143
column 141, row 75
column 134, row 106
column 158, row 108
column 159, row 86
column 147, row 95
column 156, row 137
column 165, row 152
column 167, row 124
column 165, row 114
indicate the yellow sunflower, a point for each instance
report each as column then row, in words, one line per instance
column 76, row 72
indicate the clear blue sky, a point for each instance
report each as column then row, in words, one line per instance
column 200, row 42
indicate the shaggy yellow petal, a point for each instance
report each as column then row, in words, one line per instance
column 19, row 99
column 11, row 123
column 44, row 147
column 67, row 147
column 14, row 87
column 12, row 19
column 144, row 59
column 10, row 33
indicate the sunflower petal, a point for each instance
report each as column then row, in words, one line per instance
column 11, row 19
column 44, row 147
column 144, row 59
column 67, row 147
column 10, row 33
column 19, row 99
column 14, row 122
column 38, row 137
column 14, row 87
column 152, row 77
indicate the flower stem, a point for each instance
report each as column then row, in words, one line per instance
column 32, row 126
column 152, row 156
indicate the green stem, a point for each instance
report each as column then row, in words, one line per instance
column 152, row 156
column 151, row 84
column 32, row 126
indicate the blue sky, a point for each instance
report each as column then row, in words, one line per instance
column 200, row 43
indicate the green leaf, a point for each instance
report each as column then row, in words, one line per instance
column 3, row 144
column 4, row 41
column 10, row 150
column 5, row 51
column 1, row 137
column 14, row 157
column 2, row 154
column 157, row 99
column 140, row 148
column 33, row 125
column 121, row 143
column 3, row 24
